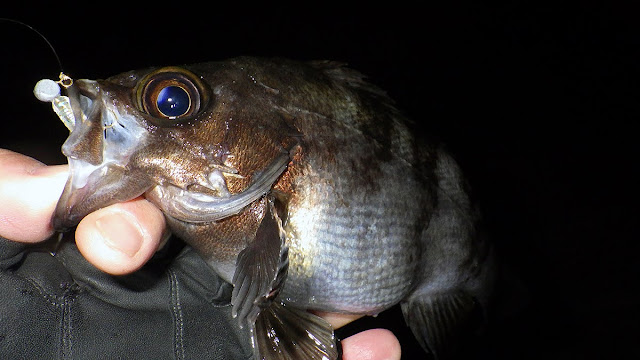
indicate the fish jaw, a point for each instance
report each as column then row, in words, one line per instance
column 90, row 188
column 103, row 138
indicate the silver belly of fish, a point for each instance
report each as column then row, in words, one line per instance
column 357, row 252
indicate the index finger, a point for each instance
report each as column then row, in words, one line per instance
column 29, row 191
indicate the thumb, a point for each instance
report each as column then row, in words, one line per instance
column 120, row 238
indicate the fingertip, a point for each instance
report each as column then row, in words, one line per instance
column 374, row 344
column 121, row 238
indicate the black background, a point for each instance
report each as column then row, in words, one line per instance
column 536, row 100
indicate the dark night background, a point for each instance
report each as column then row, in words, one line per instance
column 535, row 100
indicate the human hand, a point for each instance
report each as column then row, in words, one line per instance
column 120, row 238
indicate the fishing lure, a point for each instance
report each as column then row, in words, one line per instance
column 48, row 90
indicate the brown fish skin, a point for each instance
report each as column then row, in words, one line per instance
column 368, row 215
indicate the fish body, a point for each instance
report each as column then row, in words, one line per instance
column 299, row 183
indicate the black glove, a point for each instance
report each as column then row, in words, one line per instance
column 61, row 307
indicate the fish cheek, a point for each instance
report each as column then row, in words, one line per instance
column 220, row 242
column 166, row 164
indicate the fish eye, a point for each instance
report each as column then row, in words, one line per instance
column 173, row 101
column 171, row 94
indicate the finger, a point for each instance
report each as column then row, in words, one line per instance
column 374, row 344
column 29, row 191
column 120, row 238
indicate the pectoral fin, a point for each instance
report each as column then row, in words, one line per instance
column 439, row 321
column 278, row 331
column 261, row 269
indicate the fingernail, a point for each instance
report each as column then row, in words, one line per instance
column 121, row 233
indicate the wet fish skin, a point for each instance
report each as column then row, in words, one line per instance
column 361, row 216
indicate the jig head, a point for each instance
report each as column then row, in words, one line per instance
column 48, row 90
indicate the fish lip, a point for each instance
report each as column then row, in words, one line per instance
column 66, row 214
column 83, row 95
column 92, row 187
column 64, row 218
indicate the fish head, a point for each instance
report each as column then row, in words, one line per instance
column 202, row 142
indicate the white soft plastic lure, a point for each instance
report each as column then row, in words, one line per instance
column 47, row 90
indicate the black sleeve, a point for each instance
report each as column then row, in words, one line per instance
column 61, row 307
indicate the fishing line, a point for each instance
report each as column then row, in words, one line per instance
column 67, row 107
column 55, row 53
column 65, row 81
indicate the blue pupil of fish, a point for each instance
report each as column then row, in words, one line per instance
column 173, row 101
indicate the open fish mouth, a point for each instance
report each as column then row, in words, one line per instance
column 97, row 169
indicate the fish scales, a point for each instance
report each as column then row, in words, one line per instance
column 351, row 235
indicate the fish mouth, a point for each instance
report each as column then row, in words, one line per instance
column 201, row 208
column 68, row 213
column 97, row 162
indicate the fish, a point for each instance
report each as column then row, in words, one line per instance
column 299, row 183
